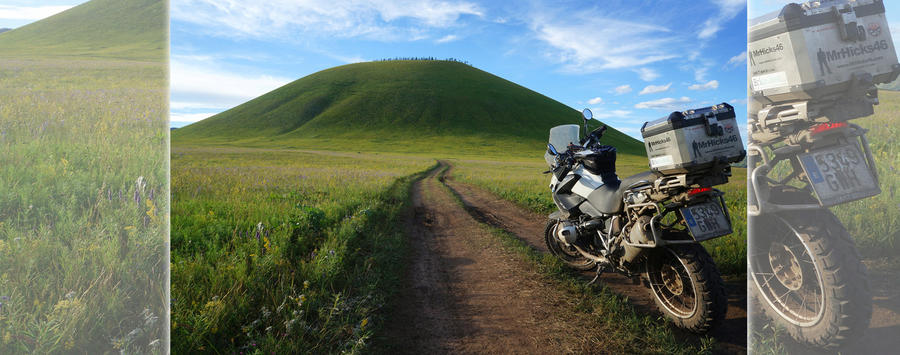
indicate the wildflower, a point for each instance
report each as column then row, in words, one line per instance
column 70, row 295
column 331, row 252
column 362, row 324
column 306, row 284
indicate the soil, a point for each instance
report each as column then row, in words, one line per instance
column 466, row 297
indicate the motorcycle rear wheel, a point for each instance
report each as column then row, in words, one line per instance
column 567, row 254
column 808, row 277
column 686, row 286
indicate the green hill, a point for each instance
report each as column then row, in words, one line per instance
column 127, row 29
column 404, row 105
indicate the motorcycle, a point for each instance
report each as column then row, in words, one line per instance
column 804, row 157
column 648, row 225
column 806, row 271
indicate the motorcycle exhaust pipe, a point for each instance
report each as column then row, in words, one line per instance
column 596, row 258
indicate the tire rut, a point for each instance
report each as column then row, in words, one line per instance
column 465, row 294
column 529, row 227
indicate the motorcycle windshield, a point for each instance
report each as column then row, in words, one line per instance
column 560, row 137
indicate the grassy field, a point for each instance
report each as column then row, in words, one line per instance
column 445, row 107
column 284, row 251
column 83, row 181
column 83, row 201
column 292, row 251
column 874, row 222
column 521, row 181
column 109, row 29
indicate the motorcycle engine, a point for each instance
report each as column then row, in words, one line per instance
column 566, row 232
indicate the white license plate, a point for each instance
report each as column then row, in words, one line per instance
column 839, row 174
column 706, row 220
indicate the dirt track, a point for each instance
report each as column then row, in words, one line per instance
column 465, row 296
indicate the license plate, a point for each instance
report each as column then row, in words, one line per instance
column 706, row 220
column 839, row 174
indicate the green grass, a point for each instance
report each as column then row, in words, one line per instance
column 520, row 181
column 874, row 222
column 84, row 183
column 284, row 251
column 107, row 29
column 399, row 106
column 82, row 240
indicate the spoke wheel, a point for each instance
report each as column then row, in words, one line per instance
column 567, row 253
column 686, row 287
column 808, row 278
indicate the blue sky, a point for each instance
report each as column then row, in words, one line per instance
column 629, row 61
column 16, row 13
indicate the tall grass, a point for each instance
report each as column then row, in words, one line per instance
column 874, row 222
column 83, row 201
column 521, row 182
column 284, row 251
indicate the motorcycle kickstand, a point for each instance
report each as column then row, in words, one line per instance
column 600, row 270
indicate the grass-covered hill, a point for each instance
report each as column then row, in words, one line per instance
column 402, row 105
column 126, row 29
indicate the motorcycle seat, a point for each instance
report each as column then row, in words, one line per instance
column 608, row 197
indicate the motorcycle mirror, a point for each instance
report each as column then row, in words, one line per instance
column 587, row 114
column 551, row 149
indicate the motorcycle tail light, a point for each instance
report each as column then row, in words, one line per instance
column 825, row 127
column 701, row 190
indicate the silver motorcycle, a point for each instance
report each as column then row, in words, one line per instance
column 648, row 225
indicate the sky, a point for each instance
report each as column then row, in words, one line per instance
column 16, row 13
column 628, row 61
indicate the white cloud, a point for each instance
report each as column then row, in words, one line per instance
column 447, row 38
column 595, row 101
column 738, row 59
column 647, row 74
column 603, row 114
column 624, row 89
column 653, row 89
column 667, row 103
column 202, row 85
column 377, row 20
column 710, row 85
column 29, row 12
column 591, row 41
column 726, row 10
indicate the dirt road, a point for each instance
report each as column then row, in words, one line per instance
column 468, row 297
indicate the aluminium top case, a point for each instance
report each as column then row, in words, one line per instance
column 815, row 50
column 693, row 140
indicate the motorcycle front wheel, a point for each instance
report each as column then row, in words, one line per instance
column 808, row 277
column 566, row 253
column 686, row 287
